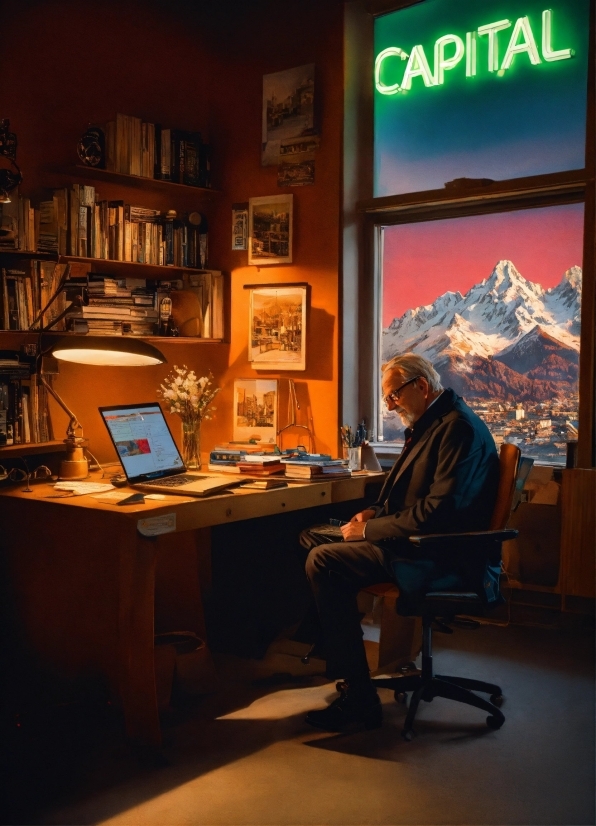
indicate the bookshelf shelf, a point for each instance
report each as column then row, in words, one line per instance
column 92, row 173
column 14, row 451
column 109, row 266
column 26, row 336
column 131, row 268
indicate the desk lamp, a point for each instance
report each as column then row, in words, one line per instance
column 94, row 350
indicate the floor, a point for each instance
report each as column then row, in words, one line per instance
column 245, row 756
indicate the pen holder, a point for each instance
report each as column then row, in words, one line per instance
column 355, row 458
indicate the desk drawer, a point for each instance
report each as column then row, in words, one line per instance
column 252, row 504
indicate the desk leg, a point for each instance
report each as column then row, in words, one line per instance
column 136, row 617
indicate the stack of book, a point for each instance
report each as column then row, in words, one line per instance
column 226, row 458
column 113, row 310
column 258, row 465
column 304, row 470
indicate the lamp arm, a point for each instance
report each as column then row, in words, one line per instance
column 74, row 423
column 76, row 302
column 40, row 315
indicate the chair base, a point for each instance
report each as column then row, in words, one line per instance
column 425, row 685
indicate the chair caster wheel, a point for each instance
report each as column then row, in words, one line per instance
column 497, row 700
column 400, row 697
column 494, row 722
column 408, row 735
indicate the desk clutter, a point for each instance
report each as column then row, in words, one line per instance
column 295, row 465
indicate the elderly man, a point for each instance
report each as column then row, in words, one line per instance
column 444, row 480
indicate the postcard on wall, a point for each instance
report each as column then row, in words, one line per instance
column 255, row 410
column 288, row 109
column 240, row 226
column 277, row 327
column 296, row 174
column 270, row 229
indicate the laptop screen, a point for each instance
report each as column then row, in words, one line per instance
column 143, row 441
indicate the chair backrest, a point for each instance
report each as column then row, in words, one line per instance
column 509, row 456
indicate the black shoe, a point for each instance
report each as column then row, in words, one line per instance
column 350, row 708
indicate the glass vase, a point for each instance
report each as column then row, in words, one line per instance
column 191, row 444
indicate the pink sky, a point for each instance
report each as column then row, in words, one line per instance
column 422, row 261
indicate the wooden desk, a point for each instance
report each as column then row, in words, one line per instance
column 82, row 579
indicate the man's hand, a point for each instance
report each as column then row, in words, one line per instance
column 363, row 516
column 354, row 530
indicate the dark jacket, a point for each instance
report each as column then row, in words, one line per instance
column 445, row 482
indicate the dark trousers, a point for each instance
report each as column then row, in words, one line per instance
column 336, row 572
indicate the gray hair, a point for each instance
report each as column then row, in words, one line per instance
column 410, row 365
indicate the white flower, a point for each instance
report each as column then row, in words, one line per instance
column 187, row 395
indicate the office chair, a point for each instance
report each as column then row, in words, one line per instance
column 449, row 598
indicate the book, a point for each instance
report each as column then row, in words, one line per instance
column 223, row 467
column 311, row 471
column 260, row 470
column 258, row 459
column 265, row 484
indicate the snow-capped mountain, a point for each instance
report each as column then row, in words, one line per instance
column 533, row 333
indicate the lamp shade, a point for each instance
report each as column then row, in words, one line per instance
column 107, row 351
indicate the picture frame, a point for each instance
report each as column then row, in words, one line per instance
column 255, row 410
column 270, row 232
column 240, row 226
column 277, row 326
column 288, row 109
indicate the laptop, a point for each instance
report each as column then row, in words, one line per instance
column 149, row 455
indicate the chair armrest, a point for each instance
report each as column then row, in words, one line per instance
column 462, row 540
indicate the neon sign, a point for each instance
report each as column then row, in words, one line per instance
column 450, row 50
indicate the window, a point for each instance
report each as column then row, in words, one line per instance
column 478, row 212
column 493, row 301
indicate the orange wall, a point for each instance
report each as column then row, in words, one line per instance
column 65, row 64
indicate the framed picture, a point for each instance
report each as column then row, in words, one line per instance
column 239, row 226
column 288, row 109
column 270, row 229
column 255, row 410
column 277, row 326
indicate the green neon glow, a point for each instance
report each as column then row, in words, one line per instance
column 528, row 44
column 443, row 63
column 417, row 66
column 492, row 29
column 392, row 51
column 471, row 43
column 548, row 53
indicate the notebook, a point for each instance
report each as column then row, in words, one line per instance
column 149, row 455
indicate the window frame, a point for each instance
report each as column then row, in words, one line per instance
column 364, row 215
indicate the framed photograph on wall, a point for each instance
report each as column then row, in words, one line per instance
column 240, row 226
column 270, row 229
column 277, row 326
column 288, row 109
column 255, row 410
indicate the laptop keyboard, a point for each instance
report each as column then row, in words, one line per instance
column 176, row 481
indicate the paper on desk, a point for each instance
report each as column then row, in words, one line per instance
column 156, row 525
column 81, row 488
column 112, row 496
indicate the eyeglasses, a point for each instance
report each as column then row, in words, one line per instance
column 17, row 474
column 394, row 395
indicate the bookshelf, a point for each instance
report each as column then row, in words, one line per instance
column 92, row 173
column 109, row 266
column 30, row 449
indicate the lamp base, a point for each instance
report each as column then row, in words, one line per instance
column 75, row 466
